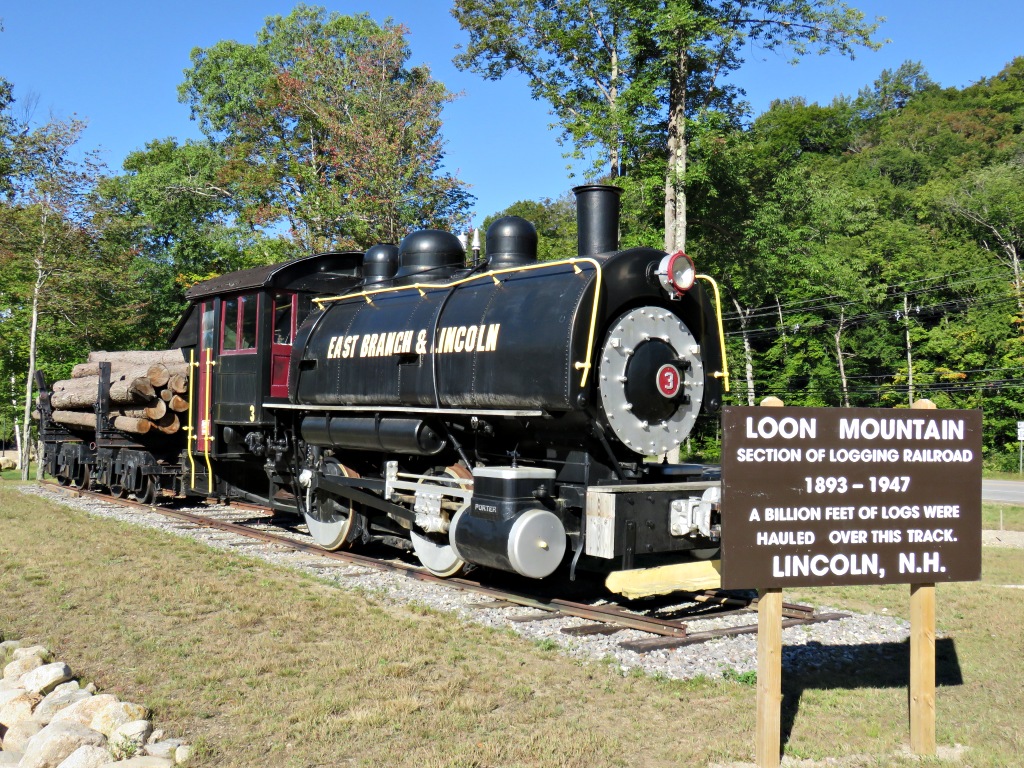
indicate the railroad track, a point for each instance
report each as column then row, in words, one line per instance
column 602, row 618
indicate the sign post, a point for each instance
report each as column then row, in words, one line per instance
column 1020, row 441
column 851, row 496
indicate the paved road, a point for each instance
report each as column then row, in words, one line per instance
column 1003, row 490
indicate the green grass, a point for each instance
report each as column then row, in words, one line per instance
column 15, row 474
column 998, row 516
column 989, row 474
column 259, row 665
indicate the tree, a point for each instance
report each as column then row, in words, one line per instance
column 43, row 229
column 893, row 90
column 326, row 130
column 991, row 201
column 608, row 67
column 580, row 56
column 7, row 131
column 172, row 216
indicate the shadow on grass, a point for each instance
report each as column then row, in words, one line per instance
column 873, row 665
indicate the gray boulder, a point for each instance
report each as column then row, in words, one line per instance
column 17, row 709
column 86, row 757
column 18, row 735
column 44, row 679
column 56, row 700
column 32, row 650
column 82, row 712
column 19, row 667
column 52, row 745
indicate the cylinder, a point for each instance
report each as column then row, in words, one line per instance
column 597, row 218
column 410, row 436
column 532, row 543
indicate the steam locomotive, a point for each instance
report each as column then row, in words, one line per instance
column 501, row 414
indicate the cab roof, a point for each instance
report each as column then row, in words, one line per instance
column 320, row 273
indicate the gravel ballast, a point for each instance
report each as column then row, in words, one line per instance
column 854, row 640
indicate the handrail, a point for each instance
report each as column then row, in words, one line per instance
column 724, row 373
column 209, row 435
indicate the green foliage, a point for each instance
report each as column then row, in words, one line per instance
column 325, row 131
column 743, row 678
column 171, row 219
column 879, row 255
column 646, row 81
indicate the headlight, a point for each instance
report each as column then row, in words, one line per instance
column 677, row 274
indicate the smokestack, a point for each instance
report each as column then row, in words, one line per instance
column 597, row 218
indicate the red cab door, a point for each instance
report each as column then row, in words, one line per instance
column 206, row 354
column 283, row 335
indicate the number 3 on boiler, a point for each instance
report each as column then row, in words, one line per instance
column 252, row 413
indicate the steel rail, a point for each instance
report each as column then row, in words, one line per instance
column 674, row 631
column 608, row 614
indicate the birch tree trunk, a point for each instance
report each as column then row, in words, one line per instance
column 748, row 352
column 17, row 442
column 675, row 172
column 839, row 356
column 25, row 449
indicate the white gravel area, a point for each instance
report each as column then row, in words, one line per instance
column 851, row 641
column 1007, row 539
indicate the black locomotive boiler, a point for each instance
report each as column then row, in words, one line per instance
column 501, row 414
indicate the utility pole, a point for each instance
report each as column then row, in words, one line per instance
column 910, row 361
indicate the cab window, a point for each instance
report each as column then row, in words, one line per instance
column 238, row 324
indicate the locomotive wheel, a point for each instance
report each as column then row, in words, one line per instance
column 434, row 551
column 62, row 477
column 333, row 523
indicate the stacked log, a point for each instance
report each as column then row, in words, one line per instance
column 146, row 392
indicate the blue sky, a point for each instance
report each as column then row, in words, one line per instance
column 119, row 63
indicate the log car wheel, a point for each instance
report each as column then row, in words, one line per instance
column 333, row 523
column 150, row 490
column 80, row 477
column 118, row 489
column 434, row 550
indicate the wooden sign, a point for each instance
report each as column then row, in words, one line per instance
column 842, row 496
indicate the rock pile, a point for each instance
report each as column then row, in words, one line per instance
column 47, row 720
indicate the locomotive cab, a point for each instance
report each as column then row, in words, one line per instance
column 238, row 334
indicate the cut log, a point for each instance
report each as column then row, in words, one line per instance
column 161, row 372
column 158, row 375
column 178, row 404
column 82, row 393
column 75, row 418
column 139, row 357
column 134, row 426
column 132, row 413
column 84, row 419
column 141, row 388
column 169, row 424
column 156, row 411
column 178, row 383
column 166, row 395
column 118, row 372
